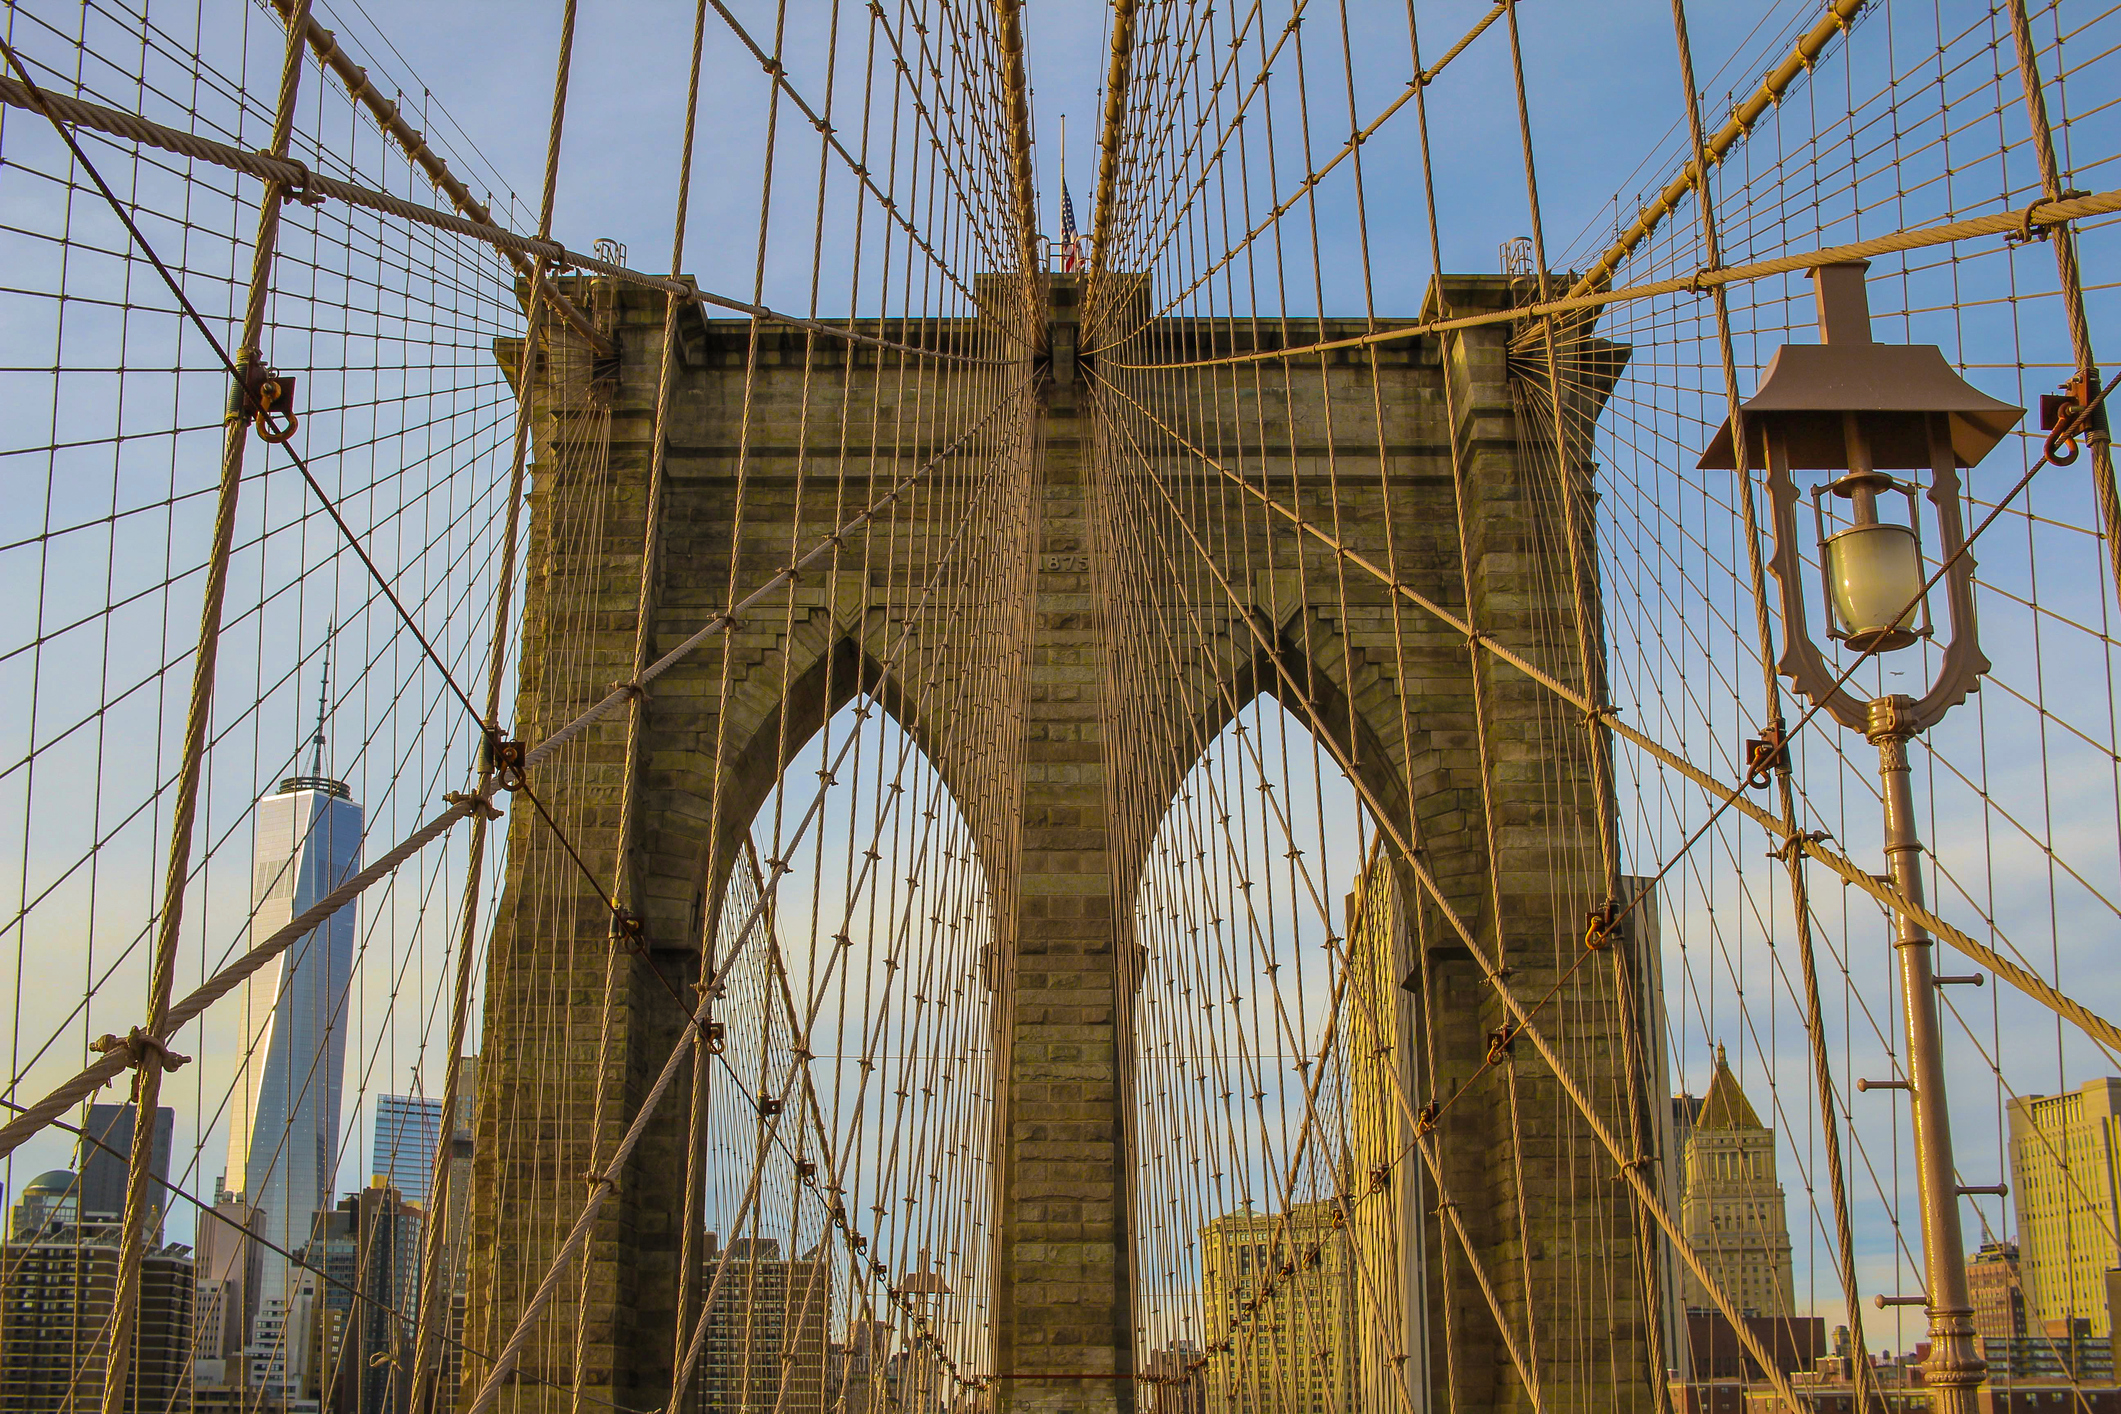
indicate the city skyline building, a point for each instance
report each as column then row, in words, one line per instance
column 862, row 1373
column 367, row 1253
column 1732, row 1211
column 49, row 1207
column 104, row 1155
column 1298, row 1349
column 765, row 1348
column 283, row 1148
column 2062, row 1190
column 1175, row 1386
column 2064, row 1172
column 58, row 1284
column 456, row 1214
column 407, row 1129
column 1994, row 1280
column 227, row 1266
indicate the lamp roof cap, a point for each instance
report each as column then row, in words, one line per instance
column 1893, row 388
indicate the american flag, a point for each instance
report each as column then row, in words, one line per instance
column 1070, row 240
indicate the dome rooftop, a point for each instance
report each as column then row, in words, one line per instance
column 57, row 1181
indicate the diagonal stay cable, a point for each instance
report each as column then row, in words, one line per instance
column 505, row 1363
column 1425, row 1120
column 95, row 1076
column 220, row 351
column 2039, row 216
column 358, row 1294
column 779, row 75
column 1733, row 794
column 1415, row 85
column 2020, row 977
column 296, row 176
column 1415, row 854
column 733, row 616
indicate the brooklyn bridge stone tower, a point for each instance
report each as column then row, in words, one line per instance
column 1459, row 752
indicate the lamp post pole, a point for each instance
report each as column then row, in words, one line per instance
column 1849, row 404
column 1955, row 1365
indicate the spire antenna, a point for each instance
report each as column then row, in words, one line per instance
column 316, row 765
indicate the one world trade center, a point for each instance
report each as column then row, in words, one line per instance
column 283, row 1149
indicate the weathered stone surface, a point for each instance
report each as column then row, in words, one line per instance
column 1473, row 761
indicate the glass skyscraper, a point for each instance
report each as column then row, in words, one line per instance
column 283, row 1137
column 407, row 1130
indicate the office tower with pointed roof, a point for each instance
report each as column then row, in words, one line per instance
column 283, row 1147
column 1733, row 1210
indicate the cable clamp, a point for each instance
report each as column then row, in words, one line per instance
column 1794, row 844
column 1598, row 926
column 630, row 926
column 480, row 805
column 1500, row 1042
column 139, row 1046
column 1765, row 755
column 262, row 393
column 2063, row 416
column 503, row 756
column 1425, row 1119
column 631, row 690
column 2027, row 232
column 298, row 190
column 715, row 1038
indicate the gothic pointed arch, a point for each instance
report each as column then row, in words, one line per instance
column 741, row 736
column 1359, row 694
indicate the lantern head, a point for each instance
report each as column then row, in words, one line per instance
column 1861, row 410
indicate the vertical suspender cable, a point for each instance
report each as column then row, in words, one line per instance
column 2065, row 242
column 389, row 117
column 1590, row 665
column 150, row 1053
column 1800, row 894
column 429, row 1334
column 628, row 875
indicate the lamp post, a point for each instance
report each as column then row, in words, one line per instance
column 1860, row 411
